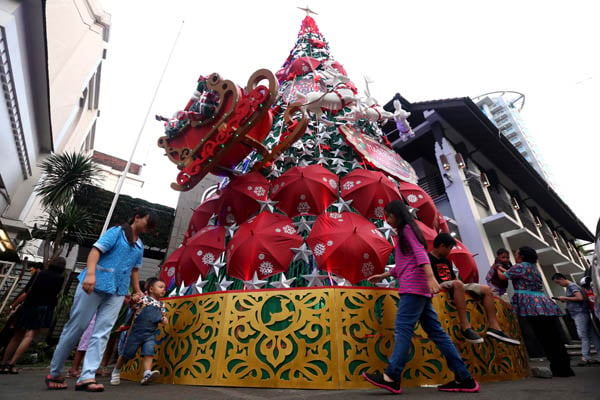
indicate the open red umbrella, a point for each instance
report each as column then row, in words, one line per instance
column 369, row 191
column 429, row 234
column 419, row 199
column 202, row 215
column 239, row 199
column 263, row 245
column 203, row 248
column 465, row 262
column 305, row 190
column 168, row 271
column 348, row 245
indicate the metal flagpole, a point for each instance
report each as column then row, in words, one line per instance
column 126, row 170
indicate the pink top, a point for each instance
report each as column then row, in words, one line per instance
column 411, row 276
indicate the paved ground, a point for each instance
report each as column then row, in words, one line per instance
column 29, row 385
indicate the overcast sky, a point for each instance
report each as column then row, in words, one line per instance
column 423, row 49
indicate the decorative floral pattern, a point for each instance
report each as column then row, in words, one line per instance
column 265, row 268
column 319, row 249
column 208, row 258
column 319, row 338
column 303, row 207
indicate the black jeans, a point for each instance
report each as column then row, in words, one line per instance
column 546, row 330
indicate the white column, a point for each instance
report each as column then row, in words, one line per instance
column 464, row 209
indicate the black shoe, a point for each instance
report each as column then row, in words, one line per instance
column 377, row 380
column 498, row 334
column 471, row 336
column 563, row 372
column 468, row 386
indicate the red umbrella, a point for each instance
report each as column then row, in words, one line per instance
column 238, row 200
column 169, row 269
column 305, row 190
column 370, row 191
column 429, row 234
column 418, row 198
column 202, row 215
column 349, row 245
column 203, row 248
column 465, row 262
column 263, row 245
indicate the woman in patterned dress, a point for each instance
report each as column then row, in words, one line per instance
column 531, row 303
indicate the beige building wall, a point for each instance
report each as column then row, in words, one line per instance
column 77, row 32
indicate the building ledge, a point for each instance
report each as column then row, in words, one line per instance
column 551, row 256
column 568, row 267
column 524, row 237
column 499, row 223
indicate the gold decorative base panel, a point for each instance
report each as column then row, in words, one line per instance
column 316, row 338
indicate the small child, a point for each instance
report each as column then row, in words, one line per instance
column 143, row 332
column 500, row 266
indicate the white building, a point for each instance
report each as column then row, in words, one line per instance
column 51, row 56
column 504, row 110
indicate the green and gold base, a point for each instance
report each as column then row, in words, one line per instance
column 316, row 338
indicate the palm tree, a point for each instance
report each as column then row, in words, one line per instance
column 63, row 175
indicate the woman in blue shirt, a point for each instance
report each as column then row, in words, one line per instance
column 113, row 263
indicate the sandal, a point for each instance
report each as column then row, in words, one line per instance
column 53, row 383
column 11, row 369
column 3, row 369
column 71, row 373
column 85, row 387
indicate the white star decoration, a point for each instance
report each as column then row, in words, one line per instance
column 356, row 164
column 182, row 289
column 267, row 205
column 224, row 284
column 217, row 265
column 199, row 285
column 340, row 169
column 302, row 253
column 341, row 281
column 303, row 225
column 314, row 278
column 385, row 283
column 386, row 230
column 283, row 283
column 342, row 205
column 255, row 283
column 230, row 229
column 212, row 220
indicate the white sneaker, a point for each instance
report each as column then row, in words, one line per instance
column 149, row 378
column 115, row 378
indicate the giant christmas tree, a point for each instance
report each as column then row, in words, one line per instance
column 305, row 181
column 306, row 174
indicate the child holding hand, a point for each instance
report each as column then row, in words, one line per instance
column 143, row 332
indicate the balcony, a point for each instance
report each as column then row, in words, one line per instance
column 499, row 223
column 524, row 237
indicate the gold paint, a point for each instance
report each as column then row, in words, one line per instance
column 319, row 338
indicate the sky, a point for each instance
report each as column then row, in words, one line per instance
column 424, row 50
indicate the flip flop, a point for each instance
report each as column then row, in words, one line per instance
column 57, row 381
column 85, row 387
column 72, row 374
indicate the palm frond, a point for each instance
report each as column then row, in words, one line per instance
column 62, row 175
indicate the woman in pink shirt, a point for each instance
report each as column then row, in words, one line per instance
column 417, row 285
